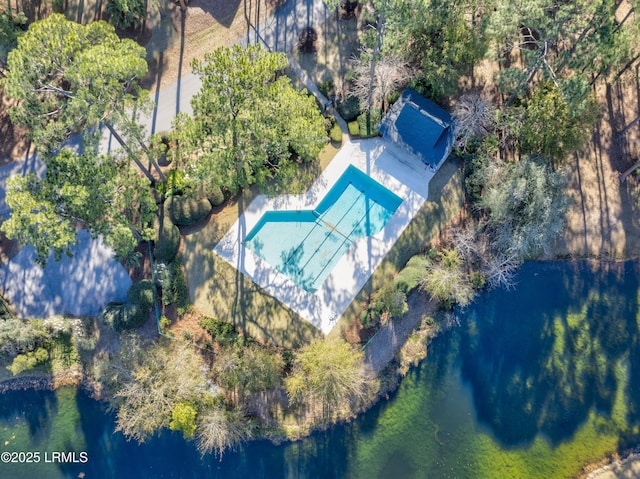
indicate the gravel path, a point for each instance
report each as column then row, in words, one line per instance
column 382, row 348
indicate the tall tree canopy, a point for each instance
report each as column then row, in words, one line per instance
column 248, row 121
column 555, row 38
column 444, row 39
column 554, row 124
column 81, row 76
column 127, row 13
column 11, row 27
column 94, row 191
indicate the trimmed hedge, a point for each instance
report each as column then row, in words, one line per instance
column 373, row 124
column 185, row 211
column 336, row 133
column 215, row 196
column 167, row 242
column 179, row 288
column 354, row 129
column 411, row 274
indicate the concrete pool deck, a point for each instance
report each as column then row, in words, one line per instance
column 399, row 172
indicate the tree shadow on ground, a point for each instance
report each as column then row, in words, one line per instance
column 541, row 358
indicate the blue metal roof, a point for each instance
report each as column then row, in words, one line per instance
column 420, row 126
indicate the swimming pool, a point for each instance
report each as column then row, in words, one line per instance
column 305, row 245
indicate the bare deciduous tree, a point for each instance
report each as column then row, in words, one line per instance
column 327, row 373
column 475, row 118
column 500, row 270
column 377, row 78
column 220, row 430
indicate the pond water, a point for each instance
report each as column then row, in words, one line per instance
column 535, row 382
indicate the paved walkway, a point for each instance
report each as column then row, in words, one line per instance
column 323, row 100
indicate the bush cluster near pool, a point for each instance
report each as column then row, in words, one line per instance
column 215, row 196
column 185, row 211
column 390, row 300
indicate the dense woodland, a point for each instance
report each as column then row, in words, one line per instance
column 250, row 126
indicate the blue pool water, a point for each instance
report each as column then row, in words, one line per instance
column 305, row 245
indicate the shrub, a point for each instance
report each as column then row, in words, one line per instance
column 159, row 146
column 411, row 274
column 175, row 184
column 185, row 211
column 179, row 288
column 119, row 316
column 112, row 315
column 223, row 332
column 447, row 281
column 388, row 302
column 183, row 419
column 349, row 109
column 326, row 87
column 478, row 280
column 393, row 96
column 30, row 360
column 5, row 312
column 140, row 299
column 167, row 242
column 142, row 294
column 369, row 128
column 132, row 316
column 164, row 322
column 18, row 336
column 336, row 134
column 215, row 196
column 354, row 129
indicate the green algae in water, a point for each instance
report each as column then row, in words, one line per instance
column 49, row 422
column 536, row 383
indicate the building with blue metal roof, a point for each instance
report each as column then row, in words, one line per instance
column 421, row 127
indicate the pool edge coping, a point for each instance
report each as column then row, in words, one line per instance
column 406, row 177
